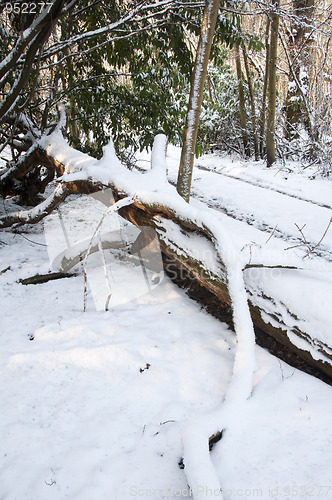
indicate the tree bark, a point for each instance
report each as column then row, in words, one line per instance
column 252, row 101
column 272, row 88
column 262, row 117
column 195, row 98
column 242, row 102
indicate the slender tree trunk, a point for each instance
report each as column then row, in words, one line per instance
column 211, row 96
column 68, row 80
column 196, row 96
column 262, row 118
column 73, row 128
column 272, row 88
column 243, row 116
column 252, row 101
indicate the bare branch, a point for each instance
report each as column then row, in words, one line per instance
column 305, row 243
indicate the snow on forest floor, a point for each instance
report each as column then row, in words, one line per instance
column 93, row 404
column 270, row 199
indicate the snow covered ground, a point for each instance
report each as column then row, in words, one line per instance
column 270, row 199
column 94, row 404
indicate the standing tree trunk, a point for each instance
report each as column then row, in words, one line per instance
column 242, row 105
column 196, row 96
column 272, row 87
column 262, row 117
column 68, row 81
column 252, row 101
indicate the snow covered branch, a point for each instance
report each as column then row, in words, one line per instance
column 36, row 214
column 181, row 228
column 141, row 13
column 29, row 35
column 24, row 54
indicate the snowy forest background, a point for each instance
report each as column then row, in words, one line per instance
column 123, row 70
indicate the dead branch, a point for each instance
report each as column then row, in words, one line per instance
column 305, row 243
column 324, row 234
column 3, row 271
column 36, row 214
column 44, row 278
column 113, row 208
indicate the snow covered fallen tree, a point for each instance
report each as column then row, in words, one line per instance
column 192, row 238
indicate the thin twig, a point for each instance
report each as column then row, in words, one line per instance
column 107, row 278
column 313, row 248
column 306, row 243
column 274, row 229
column 128, row 200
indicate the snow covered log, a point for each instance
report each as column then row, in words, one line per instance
column 192, row 251
column 191, row 238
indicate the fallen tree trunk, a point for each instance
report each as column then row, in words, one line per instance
column 192, row 240
column 178, row 244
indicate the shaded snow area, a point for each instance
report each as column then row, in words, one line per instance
column 94, row 404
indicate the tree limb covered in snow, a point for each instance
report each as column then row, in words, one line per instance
column 24, row 54
column 178, row 226
column 36, row 214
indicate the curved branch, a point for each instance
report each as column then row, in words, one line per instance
column 35, row 154
column 46, row 18
column 162, row 7
column 40, row 211
column 12, row 97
